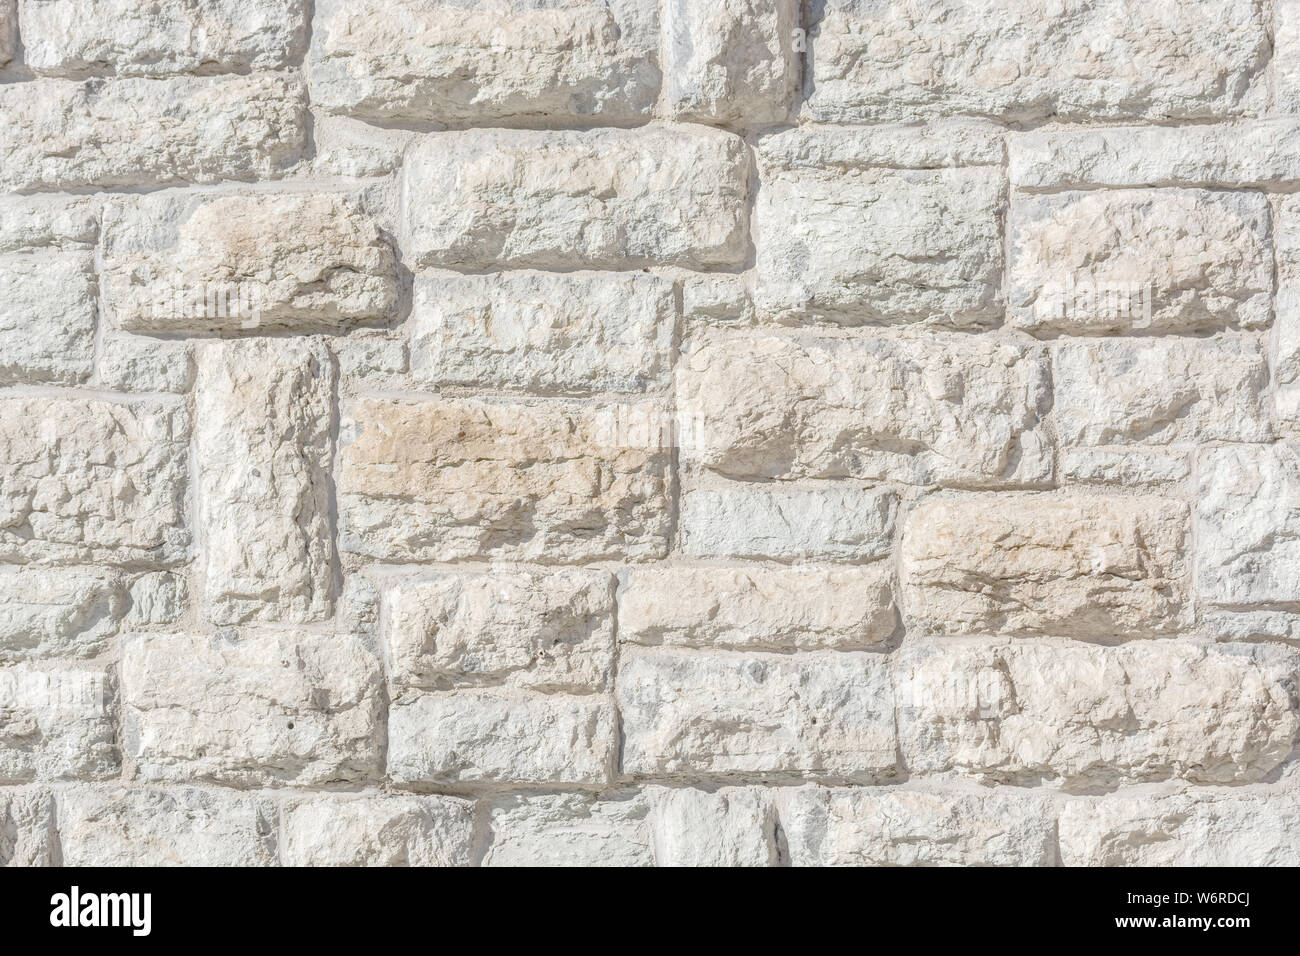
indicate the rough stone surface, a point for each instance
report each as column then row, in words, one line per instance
column 1081, row 716
column 1025, row 60
column 543, row 332
column 789, row 609
column 1099, row 568
column 91, row 480
column 123, row 37
column 139, row 132
column 956, row 410
column 264, row 413
column 747, row 520
column 443, row 480
column 892, row 827
column 1183, row 829
column 165, row 827
column 378, row 831
column 1160, row 391
column 1204, row 261
column 497, row 63
column 264, row 709
column 605, row 199
column 545, row 630
column 649, row 432
column 255, row 262
column 821, row 715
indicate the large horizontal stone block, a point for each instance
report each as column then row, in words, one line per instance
column 953, row 410
column 570, row 829
column 729, row 826
column 1211, row 828
column 124, row 37
column 842, row 240
column 787, row 609
column 1099, row 568
column 57, row 723
column 89, row 480
column 554, row 482
column 59, row 612
column 547, row 630
column 498, row 63
column 820, row 715
column 1160, row 391
column 385, row 830
column 815, row 523
column 543, row 332
column 483, row 737
column 1255, row 152
column 264, row 414
column 165, row 827
column 1248, row 525
column 179, row 262
column 1023, row 60
column 872, row 826
column 605, row 199
column 27, row 832
column 1157, row 260
column 264, row 708
column 1083, row 717
column 136, row 132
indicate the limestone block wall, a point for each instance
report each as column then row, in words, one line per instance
column 735, row 432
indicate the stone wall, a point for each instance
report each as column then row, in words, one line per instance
column 649, row 431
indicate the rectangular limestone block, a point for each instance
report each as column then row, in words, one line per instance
column 567, row 333
column 570, row 829
column 849, row 232
column 8, row 30
column 1152, row 260
column 1101, row 568
column 494, row 62
column 1084, row 717
column 1193, row 828
column 1023, row 60
column 549, row 630
column 727, row 826
column 555, row 482
column 264, row 414
column 182, row 826
column 1248, row 525
column 65, row 134
column 470, row 737
column 1246, row 153
column 1125, row 466
column 1160, row 391
column 88, row 480
column 1286, row 56
column 251, row 262
column 873, row 826
column 799, row 523
column 59, row 612
column 260, row 709
column 386, row 830
column 731, row 62
column 785, row 609
column 947, row 409
column 48, row 305
column 57, row 722
column 27, row 825
column 600, row 199
column 125, row 37
column 690, row 713
column 48, row 223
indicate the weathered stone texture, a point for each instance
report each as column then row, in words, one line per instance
column 605, row 199
column 1025, row 60
column 497, row 63
column 65, row 134
column 378, row 831
column 951, row 410
column 443, row 480
column 1098, row 568
column 58, row 612
column 27, row 831
column 57, row 723
column 261, row 709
